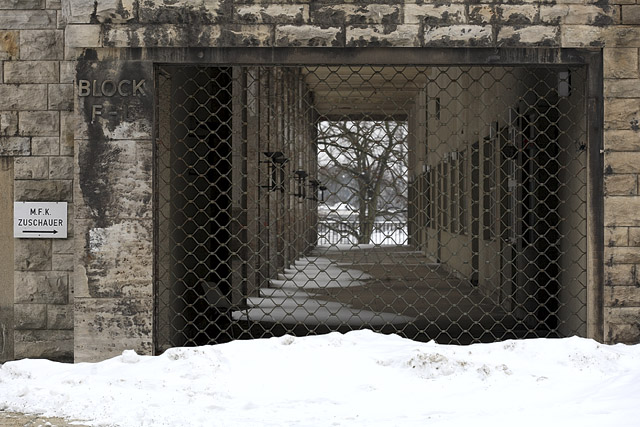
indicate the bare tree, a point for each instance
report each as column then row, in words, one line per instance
column 365, row 162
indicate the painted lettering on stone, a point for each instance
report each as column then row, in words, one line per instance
column 120, row 112
column 110, row 88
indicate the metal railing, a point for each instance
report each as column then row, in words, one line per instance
column 332, row 232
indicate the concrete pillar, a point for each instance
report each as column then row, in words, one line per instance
column 113, row 273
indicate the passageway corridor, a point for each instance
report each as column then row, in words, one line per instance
column 440, row 202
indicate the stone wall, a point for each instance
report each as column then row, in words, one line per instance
column 36, row 108
column 612, row 26
column 40, row 40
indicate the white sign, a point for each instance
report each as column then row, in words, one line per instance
column 42, row 220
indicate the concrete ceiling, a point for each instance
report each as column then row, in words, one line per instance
column 364, row 91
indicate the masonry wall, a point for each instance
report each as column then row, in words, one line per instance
column 36, row 108
column 40, row 40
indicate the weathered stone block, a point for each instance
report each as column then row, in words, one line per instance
column 631, row 14
column 22, row 4
column 634, row 236
column 481, row 14
column 616, row 236
column 520, row 14
column 8, row 123
column 338, row 14
column 122, row 36
column 380, row 35
column 622, row 140
column 622, row 296
column 62, row 262
column 117, row 260
column 272, row 13
column 67, row 129
column 185, row 12
column 61, row 168
column 53, row 345
column 434, row 14
column 14, row 146
column 621, row 63
column 165, row 35
column 67, row 72
column 535, row 35
column 626, row 88
column 9, row 45
column 31, row 72
column 582, row 36
column 597, row 14
column 39, row 123
column 573, row 14
column 23, row 97
column 246, row 35
column 622, row 114
column 61, row 97
column 45, row 287
column 620, row 275
column 622, row 325
column 307, row 35
column 27, row 19
column 77, row 36
column 63, row 246
column 61, row 20
column 32, row 255
column 30, row 316
column 60, row 316
column 114, row 11
column 622, row 163
column 621, row 185
column 105, row 327
column 57, row 190
column 622, row 36
column 31, row 167
column 622, row 211
column 554, row 13
column 45, row 146
column 42, row 45
column 615, row 255
column 54, row 4
column 459, row 35
column 78, row 11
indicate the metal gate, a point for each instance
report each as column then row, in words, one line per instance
column 437, row 202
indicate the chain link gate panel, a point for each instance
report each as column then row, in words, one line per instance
column 444, row 203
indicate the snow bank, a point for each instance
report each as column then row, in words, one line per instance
column 360, row 378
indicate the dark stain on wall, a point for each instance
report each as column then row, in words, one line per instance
column 93, row 157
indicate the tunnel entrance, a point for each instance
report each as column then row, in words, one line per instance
column 437, row 202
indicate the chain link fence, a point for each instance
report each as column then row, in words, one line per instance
column 444, row 203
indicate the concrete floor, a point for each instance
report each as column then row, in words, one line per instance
column 403, row 292
column 443, row 306
column 406, row 282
